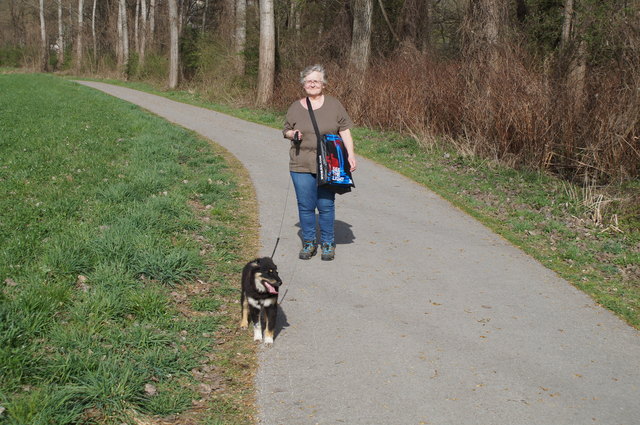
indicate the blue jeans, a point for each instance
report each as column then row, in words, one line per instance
column 310, row 197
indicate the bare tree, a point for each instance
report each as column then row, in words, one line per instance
column 17, row 22
column 173, row 44
column 361, row 39
column 266, row 66
column 577, row 54
column 227, row 24
column 386, row 19
column 415, row 23
column 485, row 29
column 204, row 14
column 241, row 35
column 136, row 27
column 123, row 36
column 152, row 22
column 44, row 53
column 567, row 22
column 79, row 46
column 143, row 32
column 60, row 42
column 93, row 31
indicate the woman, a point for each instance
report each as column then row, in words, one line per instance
column 332, row 118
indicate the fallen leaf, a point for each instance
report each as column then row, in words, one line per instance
column 205, row 389
column 150, row 389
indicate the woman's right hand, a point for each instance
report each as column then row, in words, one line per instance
column 296, row 136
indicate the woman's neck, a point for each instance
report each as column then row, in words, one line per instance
column 316, row 98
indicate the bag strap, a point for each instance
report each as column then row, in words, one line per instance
column 313, row 120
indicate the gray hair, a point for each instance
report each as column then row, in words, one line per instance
column 313, row 68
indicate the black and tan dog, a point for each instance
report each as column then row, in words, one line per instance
column 260, row 284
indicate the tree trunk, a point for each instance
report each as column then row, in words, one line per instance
column 136, row 28
column 409, row 18
column 173, row 44
column 181, row 14
column 484, row 32
column 152, row 22
column 17, row 23
column 241, row 35
column 79, row 46
column 60, row 41
column 204, row 15
column 119, row 55
column 143, row 33
column 577, row 76
column 416, row 23
column 361, row 38
column 266, row 67
column 227, row 22
column 492, row 22
column 567, row 23
column 44, row 52
column 427, row 26
column 123, row 36
column 93, row 32
column 386, row 19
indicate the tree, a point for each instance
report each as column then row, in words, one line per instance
column 60, row 41
column 142, row 48
column 486, row 21
column 123, row 36
column 241, row 35
column 204, row 15
column 361, row 39
column 17, row 23
column 578, row 57
column 174, row 59
column 266, row 66
column 79, row 47
column 567, row 23
column 93, row 31
column 44, row 53
column 152, row 22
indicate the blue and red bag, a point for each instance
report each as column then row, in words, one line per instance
column 332, row 158
column 333, row 164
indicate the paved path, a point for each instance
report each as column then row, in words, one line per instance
column 425, row 316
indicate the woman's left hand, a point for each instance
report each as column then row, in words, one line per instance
column 348, row 143
column 353, row 163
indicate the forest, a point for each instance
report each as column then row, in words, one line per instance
column 546, row 85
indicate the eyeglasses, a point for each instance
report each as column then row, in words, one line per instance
column 312, row 82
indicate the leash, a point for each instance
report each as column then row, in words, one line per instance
column 284, row 211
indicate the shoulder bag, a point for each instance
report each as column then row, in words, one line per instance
column 332, row 160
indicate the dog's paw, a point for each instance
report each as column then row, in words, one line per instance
column 268, row 341
column 257, row 335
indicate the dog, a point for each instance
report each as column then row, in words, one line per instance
column 260, row 285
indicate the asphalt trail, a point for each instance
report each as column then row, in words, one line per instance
column 425, row 316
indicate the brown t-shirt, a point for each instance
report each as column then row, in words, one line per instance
column 331, row 118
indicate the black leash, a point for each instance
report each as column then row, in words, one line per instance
column 286, row 201
column 284, row 211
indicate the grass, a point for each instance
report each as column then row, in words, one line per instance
column 104, row 218
column 589, row 235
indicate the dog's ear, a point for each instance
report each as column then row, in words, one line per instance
column 267, row 262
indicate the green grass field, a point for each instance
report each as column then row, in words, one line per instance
column 109, row 218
